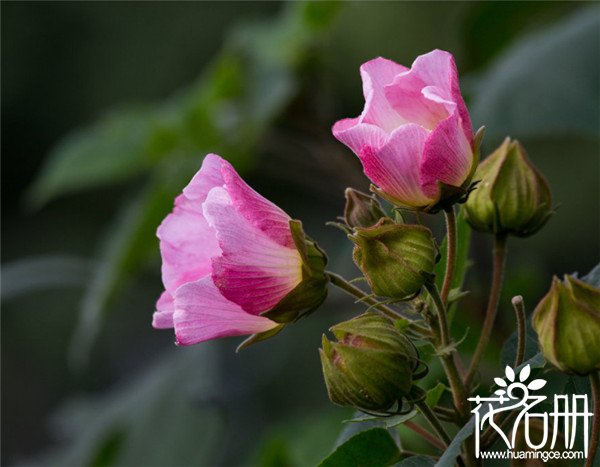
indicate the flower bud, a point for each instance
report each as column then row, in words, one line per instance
column 371, row 365
column 361, row 210
column 512, row 197
column 395, row 259
column 567, row 322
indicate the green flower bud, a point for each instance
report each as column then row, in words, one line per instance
column 395, row 259
column 512, row 197
column 361, row 210
column 567, row 321
column 371, row 366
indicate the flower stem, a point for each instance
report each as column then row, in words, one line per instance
column 492, row 307
column 432, row 419
column 446, row 355
column 354, row 291
column 595, row 382
column 426, row 435
column 519, row 307
column 451, row 252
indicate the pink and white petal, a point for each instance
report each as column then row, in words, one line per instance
column 438, row 68
column 202, row 313
column 394, row 168
column 447, row 156
column 258, row 210
column 208, row 177
column 376, row 74
column 358, row 135
column 187, row 244
column 253, row 270
column 163, row 316
column 406, row 96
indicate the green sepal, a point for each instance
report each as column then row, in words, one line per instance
column 261, row 336
column 310, row 293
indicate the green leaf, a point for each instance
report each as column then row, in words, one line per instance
column 562, row 102
column 434, row 395
column 372, row 448
column 384, row 422
column 416, row 461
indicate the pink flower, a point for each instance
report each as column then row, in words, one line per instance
column 228, row 256
column 414, row 135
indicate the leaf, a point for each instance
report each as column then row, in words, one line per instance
column 384, row 422
column 525, row 372
column 29, row 275
column 536, row 384
column 416, row 461
column 559, row 103
column 374, row 447
column 435, row 394
column 593, row 277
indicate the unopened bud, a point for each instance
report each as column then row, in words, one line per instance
column 361, row 210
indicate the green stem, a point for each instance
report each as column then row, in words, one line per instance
column 595, row 382
column 459, row 393
column 451, row 252
column 433, row 421
column 423, row 433
column 519, row 307
column 350, row 289
column 492, row 307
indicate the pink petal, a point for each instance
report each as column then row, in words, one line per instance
column 358, row 136
column 202, row 313
column 253, row 271
column 447, row 156
column 376, row 74
column 394, row 168
column 187, row 243
column 259, row 211
column 163, row 316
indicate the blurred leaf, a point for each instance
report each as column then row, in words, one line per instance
column 29, row 275
column 545, row 83
column 159, row 418
column 384, row 422
column 416, row 461
column 374, row 447
column 463, row 240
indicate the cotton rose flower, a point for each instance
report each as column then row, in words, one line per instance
column 233, row 263
column 414, row 136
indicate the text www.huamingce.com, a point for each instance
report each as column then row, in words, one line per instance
column 543, row 455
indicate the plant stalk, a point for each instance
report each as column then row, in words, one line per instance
column 433, row 421
column 595, row 382
column 519, row 307
column 450, row 252
column 492, row 307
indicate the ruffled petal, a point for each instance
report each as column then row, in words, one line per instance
column 394, row 168
column 358, row 136
column 202, row 313
column 447, row 156
column 163, row 316
column 376, row 74
column 253, row 270
column 258, row 210
column 430, row 87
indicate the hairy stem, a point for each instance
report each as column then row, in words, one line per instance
column 433, row 421
column 459, row 393
column 595, row 382
column 492, row 307
column 519, row 307
column 350, row 289
column 450, row 252
column 423, row 433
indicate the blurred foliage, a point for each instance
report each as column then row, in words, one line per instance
column 528, row 69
